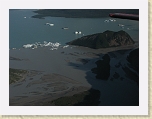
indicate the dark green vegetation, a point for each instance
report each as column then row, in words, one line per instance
column 86, row 98
column 102, row 70
column 81, row 13
column 16, row 75
column 104, row 40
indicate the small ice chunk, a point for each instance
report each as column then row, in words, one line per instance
column 79, row 32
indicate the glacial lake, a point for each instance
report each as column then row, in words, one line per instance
column 23, row 29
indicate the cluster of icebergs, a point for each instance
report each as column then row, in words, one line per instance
column 76, row 32
column 123, row 26
column 120, row 25
column 54, row 46
column 110, row 20
column 38, row 44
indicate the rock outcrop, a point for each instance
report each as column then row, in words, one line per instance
column 102, row 70
column 133, row 59
column 104, row 40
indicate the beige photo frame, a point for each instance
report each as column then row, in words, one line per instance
column 110, row 116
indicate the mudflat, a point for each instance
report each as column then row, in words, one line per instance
column 66, row 72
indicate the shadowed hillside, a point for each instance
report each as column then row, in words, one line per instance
column 104, row 40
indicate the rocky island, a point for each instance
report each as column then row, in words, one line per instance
column 102, row 70
column 104, row 40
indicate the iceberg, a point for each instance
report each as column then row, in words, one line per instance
column 49, row 24
column 65, row 46
column 27, row 46
column 44, row 44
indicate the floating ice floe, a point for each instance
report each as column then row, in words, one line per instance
column 28, row 45
column 76, row 32
column 49, row 24
column 45, row 44
column 110, row 20
column 121, row 25
column 65, row 28
column 106, row 21
column 65, row 46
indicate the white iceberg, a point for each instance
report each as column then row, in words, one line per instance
column 76, row 32
column 65, row 46
column 49, row 24
column 79, row 32
column 44, row 44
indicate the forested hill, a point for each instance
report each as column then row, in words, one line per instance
column 104, row 40
column 81, row 13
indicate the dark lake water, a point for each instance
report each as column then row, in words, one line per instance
column 26, row 30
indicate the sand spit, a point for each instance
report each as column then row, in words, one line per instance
column 67, row 71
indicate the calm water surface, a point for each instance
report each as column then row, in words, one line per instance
column 26, row 30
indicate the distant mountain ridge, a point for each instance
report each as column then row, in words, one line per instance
column 104, row 40
column 80, row 13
